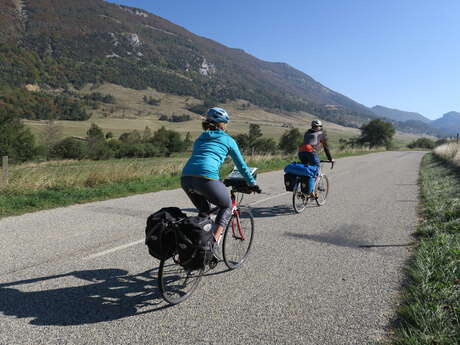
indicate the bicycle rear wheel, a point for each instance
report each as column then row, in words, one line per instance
column 321, row 189
column 299, row 199
column 175, row 282
column 238, row 238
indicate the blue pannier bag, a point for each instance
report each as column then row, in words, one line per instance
column 300, row 169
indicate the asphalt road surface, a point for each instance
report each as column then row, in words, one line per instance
column 331, row 275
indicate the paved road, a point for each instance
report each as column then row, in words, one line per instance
column 81, row 274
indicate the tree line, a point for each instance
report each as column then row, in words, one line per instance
column 20, row 144
column 134, row 144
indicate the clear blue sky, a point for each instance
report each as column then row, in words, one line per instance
column 402, row 54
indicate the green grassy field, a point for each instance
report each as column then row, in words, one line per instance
column 46, row 185
column 130, row 112
column 430, row 312
column 38, row 186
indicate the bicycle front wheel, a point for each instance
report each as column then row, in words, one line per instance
column 238, row 238
column 175, row 282
column 299, row 199
column 239, row 197
column 321, row 189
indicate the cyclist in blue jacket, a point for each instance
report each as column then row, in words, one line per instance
column 200, row 176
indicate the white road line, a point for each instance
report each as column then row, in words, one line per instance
column 266, row 199
column 108, row 251
column 124, row 246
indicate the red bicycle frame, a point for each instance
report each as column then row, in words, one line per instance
column 236, row 226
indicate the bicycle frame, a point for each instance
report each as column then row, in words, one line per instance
column 318, row 175
column 236, row 226
column 236, row 219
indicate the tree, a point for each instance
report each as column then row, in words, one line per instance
column 423, row 143
column 377, row 133
column 290, row 141
column 147, row 134
column 69, row 148
column 265, row 145
column 168, row 141
column 51, row 135
column 95, row 133
column 97, row 146
column 188, row 141
column 243, row 141
column 16, row 141
column 254, row 132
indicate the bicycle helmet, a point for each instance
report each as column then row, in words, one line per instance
column 316, row 123
column 217, row 115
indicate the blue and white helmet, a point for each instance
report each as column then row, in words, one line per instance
column 217, row 115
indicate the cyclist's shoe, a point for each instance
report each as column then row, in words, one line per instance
column 313, row 195
column 215, row 247
column 213, row 262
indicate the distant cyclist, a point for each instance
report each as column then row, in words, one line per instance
column 313, row 140
column 200, row 176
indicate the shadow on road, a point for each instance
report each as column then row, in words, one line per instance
column 335, row 238
column 272, row 211
column 112, row 294
column 262, row 212
column 348, row 235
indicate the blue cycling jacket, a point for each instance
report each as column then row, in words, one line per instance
column 209, row 153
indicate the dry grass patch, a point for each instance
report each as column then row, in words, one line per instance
column 449, row 152
column 64, row 174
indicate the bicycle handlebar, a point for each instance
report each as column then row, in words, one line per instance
column 332, row 163
column 247, row 189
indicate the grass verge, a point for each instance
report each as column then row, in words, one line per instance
column 430, row 313
column 48, row 185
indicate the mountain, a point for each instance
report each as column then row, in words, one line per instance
column 448, row 123
column 398, row 115
column 55, row 43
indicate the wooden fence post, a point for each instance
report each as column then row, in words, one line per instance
column 5, row 170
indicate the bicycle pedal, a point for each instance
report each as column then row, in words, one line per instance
column 213, row 262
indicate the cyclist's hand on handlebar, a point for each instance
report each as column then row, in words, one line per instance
column 255, row 188
column 332, row 163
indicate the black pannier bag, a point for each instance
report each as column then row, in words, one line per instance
column 159, row 232
column 194, row 242
column 289, row 182
column 304, row 184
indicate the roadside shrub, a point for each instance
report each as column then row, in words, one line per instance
column 99, row 150
column 16, row 141
column 131, row 150
column 377, row 133
column 69, row 148
column 290, row 141
column 423, row 143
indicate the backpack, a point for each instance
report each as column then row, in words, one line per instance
column 194, row 242
column 159, row 232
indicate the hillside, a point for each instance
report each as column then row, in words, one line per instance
column 398, row 115
column 57, row 43
column 448, row 123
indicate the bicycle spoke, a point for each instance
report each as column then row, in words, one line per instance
column 238, row 239
column 176, row 283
